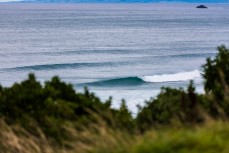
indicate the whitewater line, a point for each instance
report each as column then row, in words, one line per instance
column 182, row 76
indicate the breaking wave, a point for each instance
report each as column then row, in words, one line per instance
column 182, row 76
column 128, row 81
column 134, row 81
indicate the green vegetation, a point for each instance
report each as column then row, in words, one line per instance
column 54, row 106
column 55, row 118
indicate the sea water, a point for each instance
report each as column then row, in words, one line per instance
column 127, row 51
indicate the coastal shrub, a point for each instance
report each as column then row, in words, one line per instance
column 216, row 79
column 123, row 118
column 216, row 73
column 171, row 105
column 56, row 105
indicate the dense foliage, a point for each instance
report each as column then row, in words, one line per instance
column 216, row 76
column 56, row 105
column 171, row 105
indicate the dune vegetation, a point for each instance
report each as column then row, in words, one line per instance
column 54, row 118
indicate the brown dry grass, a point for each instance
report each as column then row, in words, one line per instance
column 94, row 138
column 210, row 137
column 14, row 139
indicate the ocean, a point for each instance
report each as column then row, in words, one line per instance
column 127, row 51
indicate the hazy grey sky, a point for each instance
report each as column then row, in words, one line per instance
column 9, row 0
column 203, row 1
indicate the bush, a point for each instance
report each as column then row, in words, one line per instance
column 171, row 105
column 55, row 106
column 216, row 78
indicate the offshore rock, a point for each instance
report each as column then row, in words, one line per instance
column 201, row 6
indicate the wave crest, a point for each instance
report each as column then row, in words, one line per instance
column 136, row 81
column 182, row 76
column 128, row 81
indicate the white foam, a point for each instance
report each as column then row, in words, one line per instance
column 183, row 76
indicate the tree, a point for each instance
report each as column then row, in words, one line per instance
column 216, row 74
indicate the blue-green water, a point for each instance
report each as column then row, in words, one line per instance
column 122, row 50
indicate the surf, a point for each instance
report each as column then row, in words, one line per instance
column 141, row 80
column 181, row 76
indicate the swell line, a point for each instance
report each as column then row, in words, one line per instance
column 58, row 66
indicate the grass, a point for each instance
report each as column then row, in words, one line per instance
column 212, row 137
column 208, row 138
column 15, row 139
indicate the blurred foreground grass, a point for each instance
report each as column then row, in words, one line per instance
column 211, row 137
column 208, row 138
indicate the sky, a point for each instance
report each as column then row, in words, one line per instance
column 10, row 0
column 201, row 1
